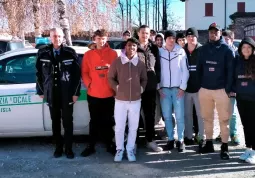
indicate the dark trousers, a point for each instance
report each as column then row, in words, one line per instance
column 247, row 114
column 60, row 110
column 101, row 119
column 149, row 106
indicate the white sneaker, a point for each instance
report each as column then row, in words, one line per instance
column 154, row 146
column 251, row 158
column 131, row 156
column 245, row 155
column 118, row 156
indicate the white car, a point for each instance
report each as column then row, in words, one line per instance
column 22, row 112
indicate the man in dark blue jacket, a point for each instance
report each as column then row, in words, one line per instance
column 58, row 82
column 215, row 74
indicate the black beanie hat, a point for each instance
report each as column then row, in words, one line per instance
column 170, row 33
column 246, row 40
column 192, row 31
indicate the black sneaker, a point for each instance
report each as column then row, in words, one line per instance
column 189, row 141
column 180, row 146
column 201, row 144
column 224, row 154
column 88, row 151
column 170, row 145
column 69, row 153
column 58, row 152
column 218, row 139
column 208, row 147
column 111, row 148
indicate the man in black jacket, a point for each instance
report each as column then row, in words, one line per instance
column 215, row 73
column 191, row 96
column 149, row 53
column 58, row 82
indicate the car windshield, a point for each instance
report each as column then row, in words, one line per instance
column 15, row 45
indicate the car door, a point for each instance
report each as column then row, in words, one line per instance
column 20, row 107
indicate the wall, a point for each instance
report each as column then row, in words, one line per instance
column 195, row 12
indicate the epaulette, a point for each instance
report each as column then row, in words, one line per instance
column 45, row 49
column 68, row 49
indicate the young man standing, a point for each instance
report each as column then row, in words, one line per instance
column 95, row 67
column 191, row 95
column 229, row 37
column 181, row 39
column 128, row 78
column 159, row 39
column 149, row 54
column 58, row 82
column 174, row 78
column 215, row 74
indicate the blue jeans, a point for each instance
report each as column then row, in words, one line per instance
column 169, row 99
column 232, row 121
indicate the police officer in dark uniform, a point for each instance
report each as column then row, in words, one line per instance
column 58, row 82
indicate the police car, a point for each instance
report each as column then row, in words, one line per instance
column 22, row 112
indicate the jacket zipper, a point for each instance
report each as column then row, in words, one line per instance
column 170, row 67
column 129, row 81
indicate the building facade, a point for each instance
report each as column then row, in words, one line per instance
column 201, row 13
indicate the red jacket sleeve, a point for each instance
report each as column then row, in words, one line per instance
column 85, row 70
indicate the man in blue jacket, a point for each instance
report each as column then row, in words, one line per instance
column 215, row 75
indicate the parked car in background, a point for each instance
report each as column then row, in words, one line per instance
column 9, row 45
column 237, row 42
column 83, row 43
column 28, row 45
column 115, row 43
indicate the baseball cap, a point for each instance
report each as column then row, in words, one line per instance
column 214, row 26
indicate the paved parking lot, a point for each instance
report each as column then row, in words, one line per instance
column 32, row 157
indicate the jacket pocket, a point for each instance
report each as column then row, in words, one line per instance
column 46, row 66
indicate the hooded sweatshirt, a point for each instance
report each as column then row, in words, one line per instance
column 193, row 83
column 215, row 66
column 244, row 86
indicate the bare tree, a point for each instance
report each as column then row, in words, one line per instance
column 37, row 17
column 64, row 22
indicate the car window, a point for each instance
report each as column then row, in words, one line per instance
column 115, row 44
column 19, row 69
column 15, row 45
column 2, row 46
column 236, row 43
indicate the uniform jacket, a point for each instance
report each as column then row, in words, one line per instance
column 68, row 73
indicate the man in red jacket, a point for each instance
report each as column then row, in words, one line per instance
column 95, row 67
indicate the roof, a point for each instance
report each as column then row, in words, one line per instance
column 78, row 49
column 241, row 14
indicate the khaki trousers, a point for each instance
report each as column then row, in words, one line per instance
column 208, row 99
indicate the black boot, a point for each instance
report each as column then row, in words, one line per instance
column 201, row 144
column 58, row 151
column 69, row 153
column 208, row 147
column 170, row 145
column 89, row 150
column 180, row 146
column 224, row 154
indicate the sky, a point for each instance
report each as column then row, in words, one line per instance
column 178, row 8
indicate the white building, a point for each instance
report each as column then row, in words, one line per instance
column 201, row 13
